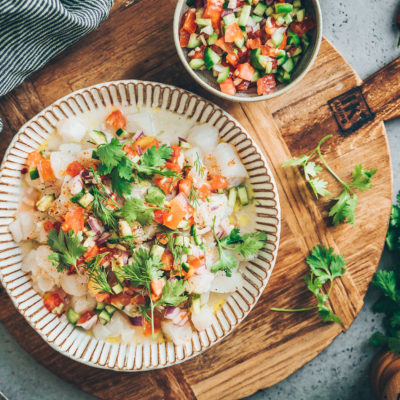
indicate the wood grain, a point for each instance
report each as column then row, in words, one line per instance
column 266, row 347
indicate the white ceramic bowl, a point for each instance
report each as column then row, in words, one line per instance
column 205, row 78
column 57, row 332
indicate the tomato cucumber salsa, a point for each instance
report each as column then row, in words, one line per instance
column 246, row 43
column 135, row 234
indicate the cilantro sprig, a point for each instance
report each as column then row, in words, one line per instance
column 247, row 245
column 325, row 266
column 66, row 249
column 135, row 209
column 343, row 209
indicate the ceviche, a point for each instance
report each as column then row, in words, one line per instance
column 135, row 225
column 246, row 43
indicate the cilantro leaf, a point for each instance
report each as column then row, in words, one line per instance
column 66, row 249
column 386, row 281
column 119, row 184
column 233, row 238
column 226, row 262
column 311, row 169
column 247, row 245
column 172, row 293
column 393, row 235
column 110, row 155
column 296, row 161
column 134, row 209
column 344, row 208
column 156, row 157
column 362, row 178
column 318, row 186
column 125, row 168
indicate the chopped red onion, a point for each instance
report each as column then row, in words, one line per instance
column 125, row 256
column 103, row 238
column 226, row 12
column 139, row 150
column 181, row 317
column 171, row 312
column 96, row 225
column 136, row 321
column 218, row 68
column 87, row 176
column 89, row 324
column 181, row 139
column 138, row 135
column 214, row 208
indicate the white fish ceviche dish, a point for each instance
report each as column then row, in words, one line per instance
column 136, row 226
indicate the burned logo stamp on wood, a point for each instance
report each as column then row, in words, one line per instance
column 351, row 111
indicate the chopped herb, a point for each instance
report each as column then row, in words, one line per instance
column 198, row 165
column 99, row 208
column 98, row 275
column 194, row 197
column 135, row 209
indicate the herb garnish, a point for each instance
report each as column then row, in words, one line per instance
column 343, row 211
column 66, row 249
column 135, row 209
column 324, row 266
column 194, row 197
column 98, row 275
column 198, row 165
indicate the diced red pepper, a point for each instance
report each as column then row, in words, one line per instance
column 253, row 43
column 164, row 183
column 183, row 37
column 245, row 71
column 228, row 87
column 53, row 301
column 74, row 168
column 159, row 215
column 218, row 182
column 189, row 21
column 300, row 28
column 48, row 226
column 73, row 220
column 233, row 33
column 199, row 53
column 266, row 84
column 33, row 159
column 213, row 11
column 116, row 120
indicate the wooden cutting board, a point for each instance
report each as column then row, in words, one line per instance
column 136, row 42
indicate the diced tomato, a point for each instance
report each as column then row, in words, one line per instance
column 266, row 84
column 53, row 301
column 172, row 166
column 85, row 317
column 73, row 220
column 45, row 171
column 194, row 263
column 269, row 51
column 271, row 29
column 183, row 37
column 178, row 208
column 231, row 58
column 218, row 182
column 168, row 261
column 227, row 86
column 159, row 215
column 185, row 185
column 48, row 226
column 120, row 300
column 101, row 297
column 176, row 152
column 138, row 299
column 199, row 53
column 188, row 22
column 156, row 288
column 91, row 252
column 245, row 71
column 116, row 120
column 33, row 159
column 300, row 28
column 253, row 43
column 243, row 86
column 164, row 183
column 204, row 190
column 233, row 33
column 128, row 149
column 74, row 168
column 145, row 143
column 147, row 325
column 213, row 11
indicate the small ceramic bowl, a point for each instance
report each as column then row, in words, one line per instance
column 133, row 95
column 205, row 78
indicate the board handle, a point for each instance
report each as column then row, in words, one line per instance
column 382, row 91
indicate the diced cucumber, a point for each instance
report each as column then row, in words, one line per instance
column 184, row 225
column 288, row 19
column 117, row 288
column 193, row 233
column 85, row 200
column 244, row 15
column 212, row 39
column 182, row 241
column 277, row 38
column 185, row 266
column 270, row 11
column 157, row 250
column 72, row 316
column 288, row 65
column 239, row 43
column 124, row 228
column 301, row 15
column 257, row 60
column 104, row 317
column 97, row 137
column 122, row 133
column 232, row 197
column 110, row 309
column 260, row 9
column 283, row 8
column 297, row 3
column 185, row 145
column 256, row 18
column 223, row 75
column 286, row 77
column 293, row 38
column 243, row 196
column 305, row 39
column 100, row 306
column 196, row 63
column 194, row 41
column 268, row 67
column 76, row 198
column 203, row 22
column 34, row 174
column 155, row 196
column 229, row 19
column 45, row 202
column 281, row 59
column 211, row 58
column 296, row 59
column 297, row 51
column 199, row 12
column 255, row 77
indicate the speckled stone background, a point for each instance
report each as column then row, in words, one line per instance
column 364, row 32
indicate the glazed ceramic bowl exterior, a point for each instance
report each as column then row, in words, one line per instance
column 205, row 78
column 76, row 343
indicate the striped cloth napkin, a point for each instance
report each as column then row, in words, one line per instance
column 34, row 31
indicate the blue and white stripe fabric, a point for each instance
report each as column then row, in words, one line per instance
column 34, row 31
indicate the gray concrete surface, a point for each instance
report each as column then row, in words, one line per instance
column 363, row 31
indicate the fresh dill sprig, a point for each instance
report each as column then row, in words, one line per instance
column 198, row 165
column 98, row 275
column 194, row 197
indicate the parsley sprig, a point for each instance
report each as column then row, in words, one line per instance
column 66, row 249
column 247, row 245
column 325, row 266
column 343, row 210
column 135, row 209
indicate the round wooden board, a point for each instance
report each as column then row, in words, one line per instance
column 266, row 347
